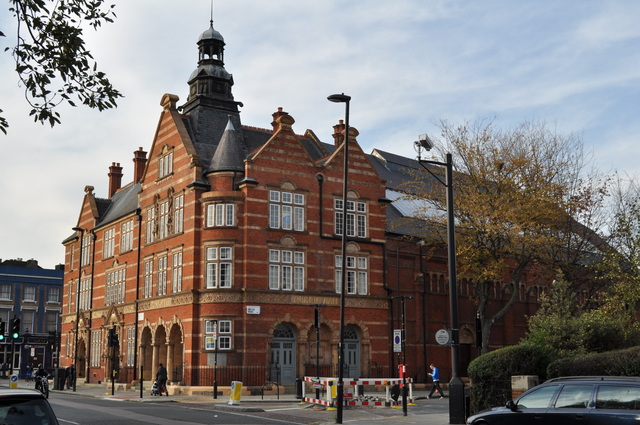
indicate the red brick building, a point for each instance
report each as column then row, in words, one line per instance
column 216, row 258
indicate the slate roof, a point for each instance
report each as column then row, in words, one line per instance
column 228, row 155
column 122, row 203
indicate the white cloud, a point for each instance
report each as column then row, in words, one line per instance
column 405, row 63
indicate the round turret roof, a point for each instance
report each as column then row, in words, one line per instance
column 210, row 34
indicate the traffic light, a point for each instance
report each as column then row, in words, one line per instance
column 3, row 330
column 52, row 340
column 15, row 327
column 113, row 340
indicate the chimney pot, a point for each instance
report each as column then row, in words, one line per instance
column 115, row 178
column 139, row 162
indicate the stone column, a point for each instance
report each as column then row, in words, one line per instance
column 169, row 363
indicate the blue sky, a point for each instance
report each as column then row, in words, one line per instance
column 406, row 64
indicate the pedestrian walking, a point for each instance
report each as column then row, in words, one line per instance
column 28, row 374
column 161, row 378
column 435, row 375
column 70, row 375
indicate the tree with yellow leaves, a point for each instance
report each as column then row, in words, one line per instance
column 515, row 193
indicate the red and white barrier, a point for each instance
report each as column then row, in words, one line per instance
column 329, row 383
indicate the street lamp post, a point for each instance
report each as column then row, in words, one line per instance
column 456, row 385
column 342, row 98
column 317, row 325
column 403, row 343
column 75, row 343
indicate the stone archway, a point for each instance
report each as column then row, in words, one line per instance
column 175, row 355
column 146, row 354
column 159, row 348
column 283, row 354
column 318, row 359
column 81, row 367
column 352, row 352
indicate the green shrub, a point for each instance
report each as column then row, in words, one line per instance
column 491, row 373
column 612, row 363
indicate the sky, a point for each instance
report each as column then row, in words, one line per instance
column 407, row 64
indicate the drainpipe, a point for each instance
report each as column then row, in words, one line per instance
column 135, row 319
column 88, row 347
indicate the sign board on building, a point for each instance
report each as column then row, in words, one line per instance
column 397, row 340
column 443, row 337
column 253, row 309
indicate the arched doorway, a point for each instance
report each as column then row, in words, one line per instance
column 81, row 367
column 283, row 354
column 352, row 352
column 160, row 348
column 175, row 356
column 146, row 354
column 318, row 361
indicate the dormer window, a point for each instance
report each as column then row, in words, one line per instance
column 165, row 165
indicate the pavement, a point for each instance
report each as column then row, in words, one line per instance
column 422, row 411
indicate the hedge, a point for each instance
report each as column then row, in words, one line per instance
column 611, row 363
column 491, row 373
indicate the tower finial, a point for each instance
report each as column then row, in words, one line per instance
column 211, row 22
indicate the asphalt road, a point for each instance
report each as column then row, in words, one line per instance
column 72, row 409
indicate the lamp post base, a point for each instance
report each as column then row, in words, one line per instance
column 456, row 401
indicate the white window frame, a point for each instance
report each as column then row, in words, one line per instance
column 52, row 318
column 131, row 347
column 163, row 219
column 108, row 249
column 5, row 292
column 84, row 288
column 178, row 214
column 176, row 272
column 162, row 274
column 286, row 270
column 165, row 165
column 221, row 215
column 126, row 236
column 356, row 218
column 115, row 286
column 53, row 295
column 96, row 348
column 286, row 210
column 86, row 250
column 150, row 225
column 219, row 267
column 220, row 330
column 357, row 278
column 148, row 278
column 29, row 293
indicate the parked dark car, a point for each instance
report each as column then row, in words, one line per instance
column 585, row 400
column 25, row 407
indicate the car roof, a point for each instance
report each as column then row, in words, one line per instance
column 8, row 392
column 596, row 379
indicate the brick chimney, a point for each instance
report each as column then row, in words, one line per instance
column 115, row 178
column 338, row 137
column 281, row 119
column 139, row 162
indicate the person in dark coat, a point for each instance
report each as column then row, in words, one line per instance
column 161, row 377
column 70, row 375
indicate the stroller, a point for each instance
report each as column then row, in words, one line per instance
column 156, row 390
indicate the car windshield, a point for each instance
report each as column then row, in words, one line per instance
column 537, row 399
column 25, row 411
